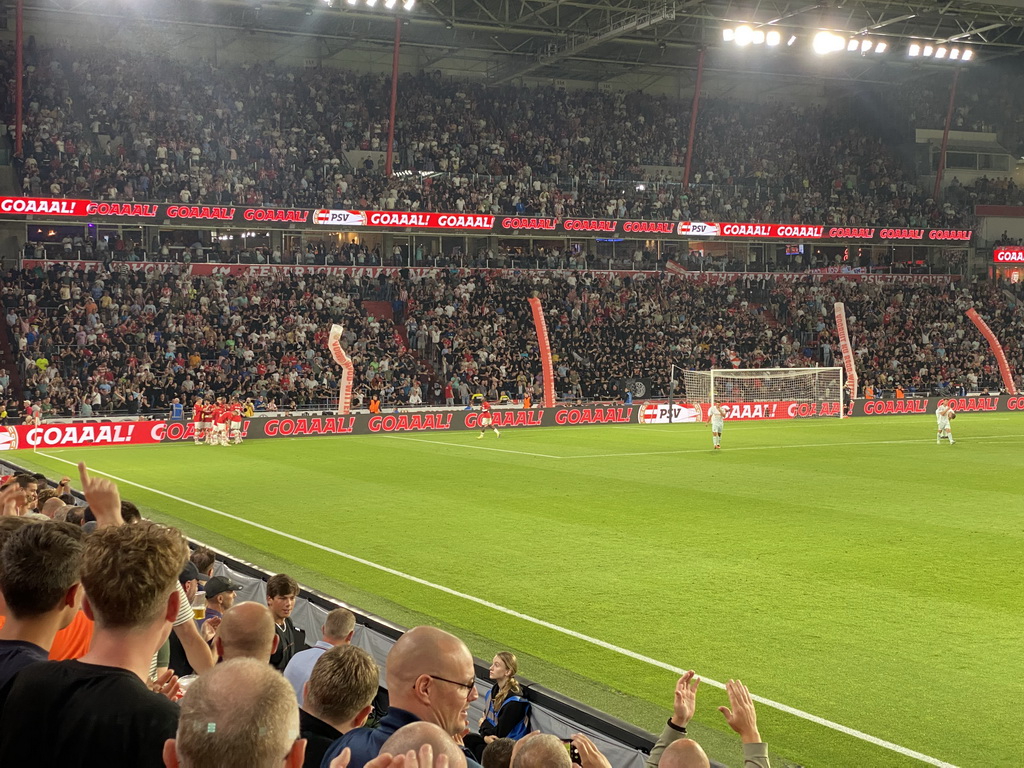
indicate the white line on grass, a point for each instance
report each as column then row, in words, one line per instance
column 525, row 617
column 989, row 438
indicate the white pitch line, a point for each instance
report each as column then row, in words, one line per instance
column 892, row 747
column 987, row 438
column 472, row 447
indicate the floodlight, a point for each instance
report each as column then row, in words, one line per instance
column 408, row 4
column 940, row 53
column 728, row 34
column 792, row 39
column 881, row 47
column 773, row 37
column 915, row 49
column 389, row 4
column 954, row 54
column 853, row 45
column 927, row 51
column 967, row 55
column 865, row 46
column 757, row 37
column 825, row 42
column 744, row 35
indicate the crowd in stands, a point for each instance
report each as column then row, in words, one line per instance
column 118, row 125
column 122, row 341
column 93, row 610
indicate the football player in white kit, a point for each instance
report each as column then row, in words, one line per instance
column 716, row 414
column 943, row 414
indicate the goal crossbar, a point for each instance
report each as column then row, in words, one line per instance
column 766, row 385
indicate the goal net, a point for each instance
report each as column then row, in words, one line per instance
column 810, row 391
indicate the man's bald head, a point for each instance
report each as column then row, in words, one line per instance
column 418, row 652
column 247, row 631
column 425, row 672
column 685, row 753
column 51, row 506
column 541, row 751
column 415, row 735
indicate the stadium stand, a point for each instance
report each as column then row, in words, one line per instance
column 126, row 342
column 264, row 135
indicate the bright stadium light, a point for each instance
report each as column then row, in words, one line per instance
column 915, row 49
column 773, row 37
column 826, row 42
column 792, row 39
column 954, row 54
column 881, row 47
column 927, row 51
column 853, row 45
column 865, row 46
column 744, row 35
column 728, row 34
column 757, row 37
column 940, row 53
column 408, row 4
column 967, row 55
column 389, row 4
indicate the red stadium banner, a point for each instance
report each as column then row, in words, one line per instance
column 1008, row 256
column 37, row 206
column 82, row 435
column 766, row 231
column 403, row 220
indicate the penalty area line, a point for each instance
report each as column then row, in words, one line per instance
column 892, row 747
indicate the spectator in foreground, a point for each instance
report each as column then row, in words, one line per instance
column 246, row 632
column 68, row 713
column 430, row 676
column 220, row 596
column 498, row 754
column 338, row 698
column 282, row 591
column 674, row 750
column 219, row 729
column 337, row 629
column 40, row 571
column 541, row 750
column 412, row 738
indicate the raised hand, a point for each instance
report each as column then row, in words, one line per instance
column 590, row 755
column 742, row 718
column 103, row 497
column 685, row 703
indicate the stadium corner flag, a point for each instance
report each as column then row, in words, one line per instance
column 846, row 348
column 997, row 350
column 545, row 351
column 347, row 370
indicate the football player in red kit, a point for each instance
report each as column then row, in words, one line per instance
column 486, row 418
column 199, row 420
column 221, row 414
column 208, row 412
column 235, row 422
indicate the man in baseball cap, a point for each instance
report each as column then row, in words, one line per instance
column 220, row 595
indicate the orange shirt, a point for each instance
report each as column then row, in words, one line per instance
column 73, row 641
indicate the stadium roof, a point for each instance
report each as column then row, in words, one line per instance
column 604, row 39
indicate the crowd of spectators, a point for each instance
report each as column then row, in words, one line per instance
column 119, row 125
column 95, row 598
column 124, row 341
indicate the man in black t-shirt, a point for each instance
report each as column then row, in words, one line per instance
column 72, row 714
column 282, row 591
column 40, row 567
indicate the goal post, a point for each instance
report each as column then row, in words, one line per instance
column 817, row 386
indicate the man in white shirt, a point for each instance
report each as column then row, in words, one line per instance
column 943, row 414
column 716, row 414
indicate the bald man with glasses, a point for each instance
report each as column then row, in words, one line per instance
column 430, row 677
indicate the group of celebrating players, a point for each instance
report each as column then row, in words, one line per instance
column 218, row 422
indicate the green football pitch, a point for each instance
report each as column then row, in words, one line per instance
column 860, row 577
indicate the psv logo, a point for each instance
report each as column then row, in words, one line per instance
column 347, row 218
column 8, row 439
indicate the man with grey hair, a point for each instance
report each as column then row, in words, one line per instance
column 540, row 750
column 338, row 629
column 246, row 631
column 221, row 725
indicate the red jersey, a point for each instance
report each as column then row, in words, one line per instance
column 197, row 412
column 486, row 408
column 235, row 411
column 208, row 411
column 220, row 414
